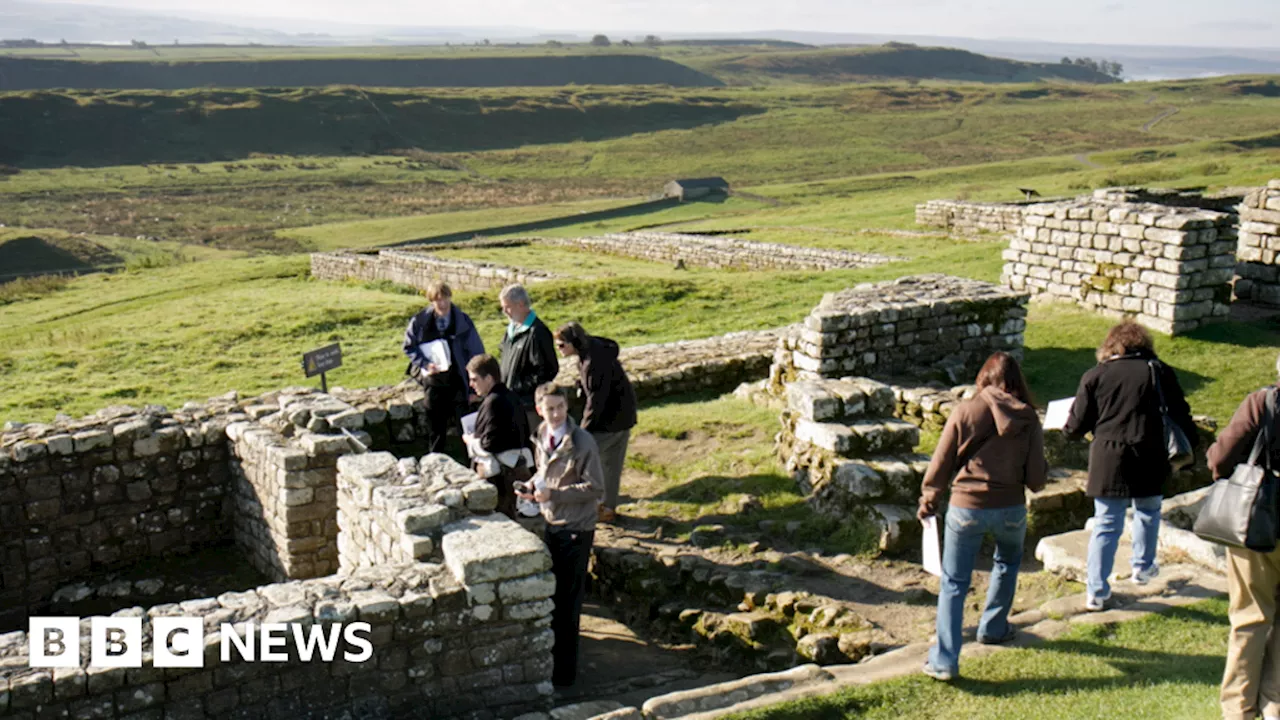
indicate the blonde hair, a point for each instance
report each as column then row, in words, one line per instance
column 437, row 289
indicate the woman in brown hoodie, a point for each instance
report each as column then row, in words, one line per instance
column 991, row 450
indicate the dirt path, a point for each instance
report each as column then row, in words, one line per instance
column 1083, row 159
column 1168, row 112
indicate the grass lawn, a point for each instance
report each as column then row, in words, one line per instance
column 1161, row 667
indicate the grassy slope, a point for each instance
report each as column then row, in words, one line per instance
column 1162, row 667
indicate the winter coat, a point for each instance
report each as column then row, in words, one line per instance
column 501, row 422
column 574, row 478
column 1118, row 403
column 991, row 450
column 464, row 344
column 610, row 399
column 1235, row 442
column 528, row 359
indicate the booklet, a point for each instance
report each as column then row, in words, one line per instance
column 437, row 353
column 469, row 423
column 1055, row 416
column 931, row 553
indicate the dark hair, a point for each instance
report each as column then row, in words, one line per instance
column 575, row 335
column 1001, row 370
column 549, row 390
column 1126, row 337
column 484, row 365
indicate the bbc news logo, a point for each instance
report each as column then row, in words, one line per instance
column 179, row 642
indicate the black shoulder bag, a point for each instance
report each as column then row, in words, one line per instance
column 1240, row 511
column 1181, row 452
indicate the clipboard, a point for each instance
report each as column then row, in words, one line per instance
column 437, row 353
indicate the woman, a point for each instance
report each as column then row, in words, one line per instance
column 1128, row 461
column 990, row 452
column 610, row 411
column 446, row 387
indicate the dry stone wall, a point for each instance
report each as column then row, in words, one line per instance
column 420, row 269
column 1258, row 252
column 970, row 218
column 719, row 252
column 103, row 492
column 1168, row 267
column 930, row 323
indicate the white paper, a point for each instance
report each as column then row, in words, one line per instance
column 469, row 423
column 1055, row 416
column 437, row 353
column 931, row 553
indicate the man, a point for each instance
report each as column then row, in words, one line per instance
column 445, row 386
column 568, row 489
column 499, row 445
column 1251, row 683
column 528, row 353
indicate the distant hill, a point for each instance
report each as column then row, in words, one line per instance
column 894, row 60
column 37, row 74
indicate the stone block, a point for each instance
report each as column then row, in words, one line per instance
column 492, row 548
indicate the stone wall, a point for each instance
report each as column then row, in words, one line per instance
column 929, row 323
column 970, row 218
column 419, row 269
column 1258, row 252
column 1225, row 201
column 1168, row 267
column 102, row 492
column 719, row 252
column 466, row 638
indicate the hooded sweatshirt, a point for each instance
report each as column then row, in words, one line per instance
column 991, row 449
column 611, row 401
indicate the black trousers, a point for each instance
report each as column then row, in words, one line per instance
column 570, row 551
column 442, row 402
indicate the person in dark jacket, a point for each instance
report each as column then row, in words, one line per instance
column 1128, row 460
column 501, row 433
column 610, row 410
column 1251, row 682
column 445, row 388
column 528, row 352
column 990, row 452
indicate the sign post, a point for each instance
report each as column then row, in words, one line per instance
column 321, row 361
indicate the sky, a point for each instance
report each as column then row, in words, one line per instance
column 1220, row 23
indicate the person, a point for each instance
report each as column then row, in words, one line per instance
column 990, row 452
column 527, row 350
column 610, row 410
column 1128, row 460
column 1251, row 682
column 500, row 443
column 445, row 387
column 568, row 488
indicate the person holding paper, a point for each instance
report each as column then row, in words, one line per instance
column 440, row 341
column 500, row 447
column 991, row 451
column 1128, row 459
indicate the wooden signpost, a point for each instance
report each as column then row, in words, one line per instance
column 321, row 361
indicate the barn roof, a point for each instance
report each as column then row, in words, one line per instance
column 706, row 182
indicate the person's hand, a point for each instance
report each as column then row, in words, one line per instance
column 924, row 511
column 542, row 495
column 433, row 370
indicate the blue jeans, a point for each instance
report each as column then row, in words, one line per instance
column 965, row 530
column 1108, row 523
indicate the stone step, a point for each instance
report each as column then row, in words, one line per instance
column 882, row 477
column 1067, row 554
column 826, row 400
column 870, row 436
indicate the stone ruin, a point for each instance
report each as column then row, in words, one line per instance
column 1258, row 270
column 1170, row 268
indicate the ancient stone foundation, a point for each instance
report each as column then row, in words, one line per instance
column 970, row 218
column 719, row 252
column 1168, row 267
column 420, row 269
column 1258, row 252
column 934, row 324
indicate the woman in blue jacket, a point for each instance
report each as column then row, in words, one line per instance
column 446, row 387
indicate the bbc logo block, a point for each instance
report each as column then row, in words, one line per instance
column 180, row 641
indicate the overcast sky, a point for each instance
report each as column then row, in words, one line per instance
column 1223, row 23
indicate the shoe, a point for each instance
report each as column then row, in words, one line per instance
column 938, row 674
column 606, row 514
column 1008, row 637
column 1096, row 604
column 1142, row 577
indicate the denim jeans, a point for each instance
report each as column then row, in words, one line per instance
column 1108, row 523
column 964, row 533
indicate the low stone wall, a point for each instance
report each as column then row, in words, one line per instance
column 925, row 323
column 102, row 492
column 719, row 252
column 1258, row 251
column 1225, row 201
column 440, row 645
column 1168, row 267
column 970, row 218
column 420, row 269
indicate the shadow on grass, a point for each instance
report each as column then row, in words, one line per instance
column 1055, row 372
column 1259, row 333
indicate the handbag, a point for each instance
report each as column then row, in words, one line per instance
column 1240, row 511
column 1181, row 452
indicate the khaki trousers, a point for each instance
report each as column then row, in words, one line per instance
column 1251, row 683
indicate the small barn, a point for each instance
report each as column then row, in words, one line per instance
column 694, row 188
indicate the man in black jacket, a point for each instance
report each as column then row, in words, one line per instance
column 501, row 432
column 528, row 353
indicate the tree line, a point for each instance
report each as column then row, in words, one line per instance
column 1106, row 67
